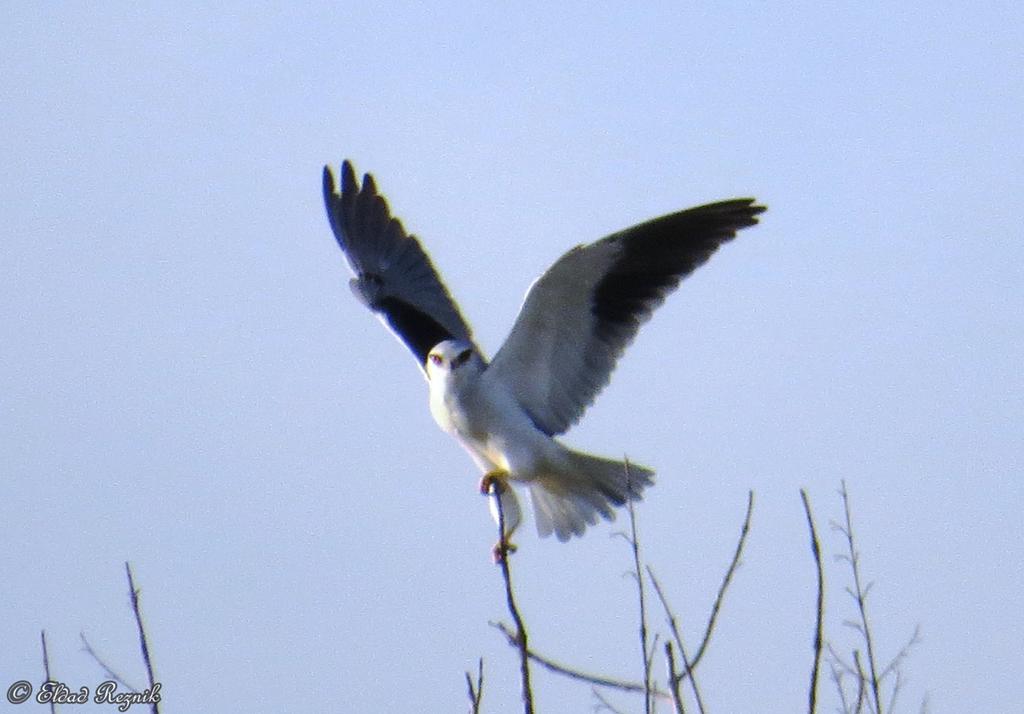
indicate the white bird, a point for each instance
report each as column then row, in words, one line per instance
column 575, row 323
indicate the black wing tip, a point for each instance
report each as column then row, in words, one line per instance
column 328, row 181
column 337, row 197
column 752, row 210
column 369, row 185
column 349, row 182
column 741, row 212
column 753, row 207
column 347, row 174
column 733, row 204
column 752, row 204
column 350, row 186
column 348, row 169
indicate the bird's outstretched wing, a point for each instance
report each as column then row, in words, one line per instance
column 580, row 316
column 394, row 275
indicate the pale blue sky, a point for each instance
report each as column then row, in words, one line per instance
column 187, row 383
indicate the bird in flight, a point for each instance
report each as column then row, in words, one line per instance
column 574, row 324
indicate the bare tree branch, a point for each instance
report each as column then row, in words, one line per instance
column 812, row 696
column 841, row 668
column 837, row 678
column 553, row 666
column 724, row 586
column 603, row 705
column 143, row 644
column 673, row 679
column 475, row 692
column 46, row 668
column 152, row 694
column 107, row 670
column 677, row 636
column 503, row 550
column 634, row 543
column 860, row 595
column 894, row 664
column 893, row 668
column 861, row 683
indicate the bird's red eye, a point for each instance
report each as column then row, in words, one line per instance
column 437, row 359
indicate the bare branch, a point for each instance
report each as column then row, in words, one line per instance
column 475, row 692
column 496, row 488
column 812, row 696
column 724, row 586
column 671, row 617
column 837, row 678
column 893, row 668
column 650, row 657
column 894, row 664
column 143, row 644
column 603, row 705
column 842, row 665
column 869, row 679
column 107, row 670
column 646, row 653
column 673, row 679
column 861, row 596
column 861, row 683
column 553, row 666
column 46, row 668
column 896, row 687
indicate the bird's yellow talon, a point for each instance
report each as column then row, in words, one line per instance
column 492, row 480
column 502, row 549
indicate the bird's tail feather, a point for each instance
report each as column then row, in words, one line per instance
column 566, row 501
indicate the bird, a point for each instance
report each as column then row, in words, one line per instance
column 575, row 322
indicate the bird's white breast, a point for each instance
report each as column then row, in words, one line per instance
column 488, row 421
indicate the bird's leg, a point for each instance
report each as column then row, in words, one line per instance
column 494, row 484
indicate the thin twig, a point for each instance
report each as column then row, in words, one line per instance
column 496, row 490
column 861, row 682
column 475, row 692
column 638, row 572
column 894, row 664
column 724, row 586
column 553, row 666
column 46, row 668
column 673, row 679
column 812, row 696
column 861, row 597
column 837, row 678
column 840, row 669
column 844, row 667
column 603, row 704
column 893, row 668
column 107, row 669
column 869, row 683
column 143, row 643
column 677, row 636
column 896, row 687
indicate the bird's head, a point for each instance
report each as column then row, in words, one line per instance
column 452, row 359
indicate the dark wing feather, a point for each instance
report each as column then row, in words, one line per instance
column 654, row 257
column 580, row 316
column 394, row 275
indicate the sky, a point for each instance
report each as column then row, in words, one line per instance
column 187, row 383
